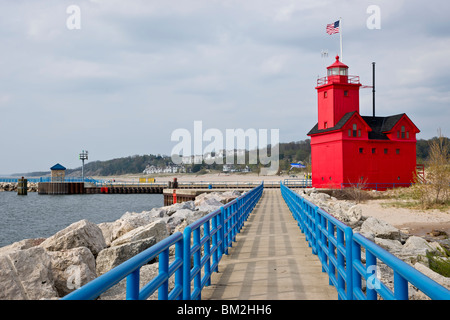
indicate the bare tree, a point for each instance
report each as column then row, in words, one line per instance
column 438, row 173
column 435, row 188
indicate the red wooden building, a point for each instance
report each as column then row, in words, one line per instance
column 347, row 148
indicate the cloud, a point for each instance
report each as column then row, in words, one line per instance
column 137, row 70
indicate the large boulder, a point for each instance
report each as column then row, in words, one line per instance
column 72, row 269
column 79, row 234
column 187, row 205
column 156, row 229
column 393, row 246
column 26, row 275
column 21, row 245
column 417, row 246
column 128, row 222
column 380, row 229
column 111, row 257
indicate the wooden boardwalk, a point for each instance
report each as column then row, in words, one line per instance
column 271, row 260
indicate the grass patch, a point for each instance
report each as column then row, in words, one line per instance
column 439, row 264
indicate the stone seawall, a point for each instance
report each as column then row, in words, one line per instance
column 12, row 186
column 34, row 269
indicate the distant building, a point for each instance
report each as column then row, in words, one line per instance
column 170, row 168
column 58, row 173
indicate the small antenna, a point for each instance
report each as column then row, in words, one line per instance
column 324, row 53
column 373, row 88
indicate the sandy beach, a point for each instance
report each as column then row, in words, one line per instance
column 416, row 222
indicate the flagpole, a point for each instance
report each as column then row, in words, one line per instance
column 340, row 36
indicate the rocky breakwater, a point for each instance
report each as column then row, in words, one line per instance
column 50, row 268
column 411, row 249
column 12, row 186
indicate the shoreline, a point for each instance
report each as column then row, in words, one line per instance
column 416, row 222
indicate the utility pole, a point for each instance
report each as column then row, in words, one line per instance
column 83, row 156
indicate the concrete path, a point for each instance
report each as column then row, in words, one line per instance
column 271, row 260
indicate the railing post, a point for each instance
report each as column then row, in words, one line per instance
column 133, row 285
column 207, row 251
column 348, row 233
column 371, row 266
column 400, row 287
column 197, row 261
column 179, row 273
column 331, row 250
column 356, row 256
column 215, row 257
column 163, row 290
column 187, row 263
column 222, row 246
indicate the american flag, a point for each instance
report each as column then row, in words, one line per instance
column 333, row 27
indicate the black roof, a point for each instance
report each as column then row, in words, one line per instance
column 338, row 125
column 379, row 125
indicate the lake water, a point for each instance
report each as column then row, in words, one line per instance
column 41, row 216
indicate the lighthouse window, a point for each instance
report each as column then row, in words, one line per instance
column 359, row 133
column 374, row 150
column 333, row 72
column 349, row 132
column 361, row 150
column 354, row 130
column 397, row 151
column 403, row 132
column 343, row 71
column 385, row 151
column 325, row 94
column 346, row 93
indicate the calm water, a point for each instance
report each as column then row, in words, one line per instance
column 41, row 216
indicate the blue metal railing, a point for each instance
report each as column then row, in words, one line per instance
column 49, row 179
column 130, row 270
column 339, row 251
column 203, row 242
column 328, row 237
column 403, row 273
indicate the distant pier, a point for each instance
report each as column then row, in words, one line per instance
column 185, row 190
column 88, row 188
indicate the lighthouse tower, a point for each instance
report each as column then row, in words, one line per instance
column 347, row 148
column 338, row 93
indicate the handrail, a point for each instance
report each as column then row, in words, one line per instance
column 214, row 233
column 339, row 251
column 403, row 273
column 329, row 239
column 130, row 270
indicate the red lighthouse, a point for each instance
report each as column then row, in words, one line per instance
column 347, row 148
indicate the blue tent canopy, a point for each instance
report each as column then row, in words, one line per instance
column 297, row 165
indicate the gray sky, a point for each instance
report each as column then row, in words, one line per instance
column 137, row 70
